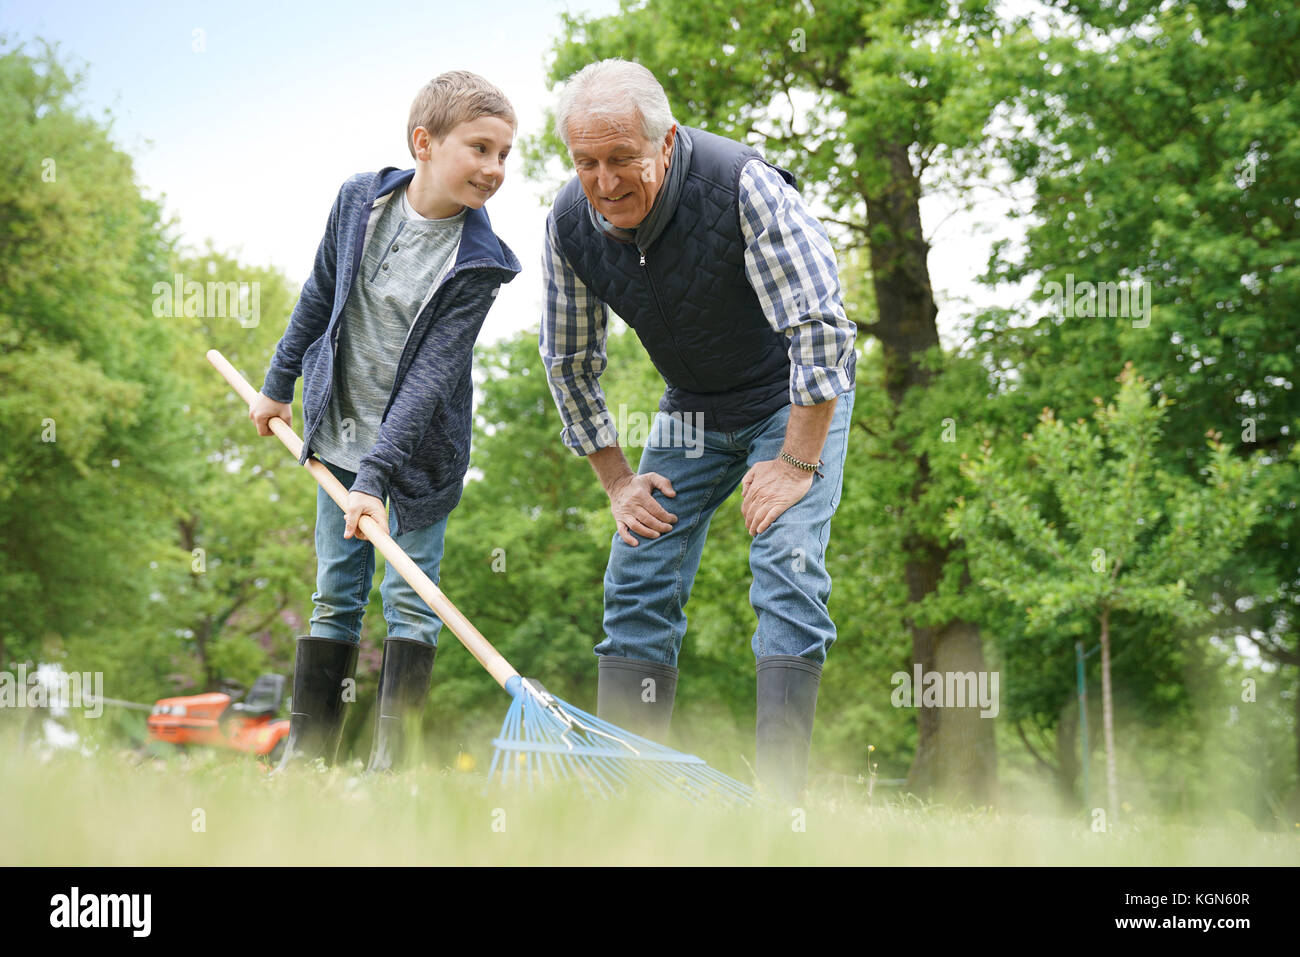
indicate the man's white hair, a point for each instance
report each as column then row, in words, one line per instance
column 612, row 90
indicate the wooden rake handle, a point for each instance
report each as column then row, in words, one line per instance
column 460, row 626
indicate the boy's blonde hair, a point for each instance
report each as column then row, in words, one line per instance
column 450, row 99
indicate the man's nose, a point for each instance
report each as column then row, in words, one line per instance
column 606, row 180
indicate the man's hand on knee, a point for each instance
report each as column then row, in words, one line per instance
column 767, row 490
column 635, row 509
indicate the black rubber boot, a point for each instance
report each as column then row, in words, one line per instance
column 636, row 695
column 787, row 702
column 404, row 679
column 318, row 706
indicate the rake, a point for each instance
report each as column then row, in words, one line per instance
column 543, row 739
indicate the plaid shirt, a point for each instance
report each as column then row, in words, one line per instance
column 788, row 259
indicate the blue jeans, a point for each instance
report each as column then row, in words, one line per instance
column 345, row 568
column 647, row 587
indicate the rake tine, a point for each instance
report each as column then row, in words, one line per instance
column 558, row 741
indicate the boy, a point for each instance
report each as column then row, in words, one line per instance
column 383, row 335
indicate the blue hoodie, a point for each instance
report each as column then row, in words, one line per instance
column 422, row 453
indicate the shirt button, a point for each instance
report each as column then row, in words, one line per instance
column 394, row 247
column 384, row 266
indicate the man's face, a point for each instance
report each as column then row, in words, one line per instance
column 469, row 165
column 620, row 170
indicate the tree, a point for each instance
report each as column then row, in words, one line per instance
column 240, row 568
column 83, row 396
column 1157, row 140
column 1133, row 535
column 140, row 535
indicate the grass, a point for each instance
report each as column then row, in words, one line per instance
column 205, row 808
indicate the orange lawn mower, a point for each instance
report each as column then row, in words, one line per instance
column 218, row 719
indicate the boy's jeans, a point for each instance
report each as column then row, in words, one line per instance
column 345, row 568
column 646, row 587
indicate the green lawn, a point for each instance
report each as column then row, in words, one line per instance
column 111, row 808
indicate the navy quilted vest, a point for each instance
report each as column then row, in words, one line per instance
column 687, row 297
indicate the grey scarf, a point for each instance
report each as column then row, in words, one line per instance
column 665, row 204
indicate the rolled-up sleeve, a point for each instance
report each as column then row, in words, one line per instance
column 572, row 343
column 790, row 264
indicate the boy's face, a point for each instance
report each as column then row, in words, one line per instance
column 620, row 170
column 469, row 165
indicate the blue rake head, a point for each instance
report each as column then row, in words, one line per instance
column 544, row 739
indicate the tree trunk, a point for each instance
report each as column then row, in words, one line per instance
column 188, row 528
column 1108, row 721
column 959, row 761
column 1069, row 755
column 1295, row 793
column 954, row 756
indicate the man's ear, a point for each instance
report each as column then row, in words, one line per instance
column 670, row 141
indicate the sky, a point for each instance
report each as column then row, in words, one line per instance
column 247, row 117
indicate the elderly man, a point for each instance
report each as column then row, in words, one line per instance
column 709, row 253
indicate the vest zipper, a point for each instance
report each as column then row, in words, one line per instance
column 663, row 317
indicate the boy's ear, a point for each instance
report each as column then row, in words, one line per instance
column 422, row 141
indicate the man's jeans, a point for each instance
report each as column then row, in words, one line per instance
column 647, row 587
column 345, row 568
